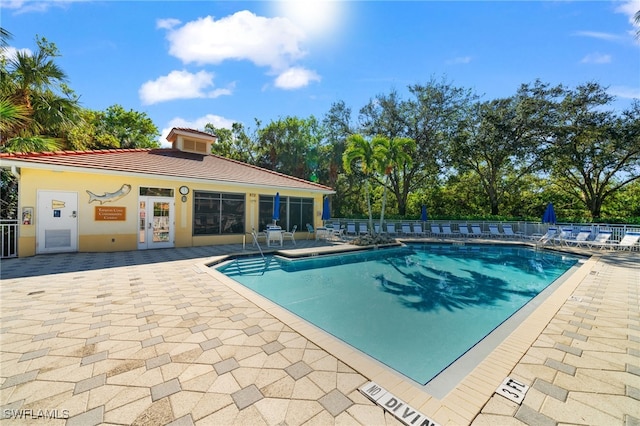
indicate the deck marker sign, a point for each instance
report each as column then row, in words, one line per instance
column 400, row 409
column 512, row 390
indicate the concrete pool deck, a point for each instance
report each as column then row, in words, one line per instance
column 152, row 337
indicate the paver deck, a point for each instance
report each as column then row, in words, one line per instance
column 150, row 337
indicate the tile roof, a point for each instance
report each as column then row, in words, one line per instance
column 164, row 162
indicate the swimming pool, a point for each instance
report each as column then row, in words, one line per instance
column 416, row 308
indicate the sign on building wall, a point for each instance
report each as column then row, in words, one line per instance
column 110, row 213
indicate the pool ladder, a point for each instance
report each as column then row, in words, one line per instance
column 254, row 235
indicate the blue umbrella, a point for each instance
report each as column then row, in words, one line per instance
column 424, row 213
column 549, row 215
column 276, row 208
column 326, row 212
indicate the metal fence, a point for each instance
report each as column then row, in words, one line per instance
column 523, row 228
column 9, row 244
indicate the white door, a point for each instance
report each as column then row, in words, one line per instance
column 57, row 222
column 155, row 222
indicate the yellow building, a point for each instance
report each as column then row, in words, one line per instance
column 128, row 199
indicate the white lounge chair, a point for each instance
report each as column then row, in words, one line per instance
column 476, row 231
column 508, row 232
column 446, row 230
column 391, row 228
column 551, row 233
column 580, row 238
column 494, row 231
column 629, row 240
column 406, row 229
column 564, row 234
column 600, row 240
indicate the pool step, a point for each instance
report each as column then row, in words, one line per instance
column 251, row 266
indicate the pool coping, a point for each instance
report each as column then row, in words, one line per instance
column 465, row 401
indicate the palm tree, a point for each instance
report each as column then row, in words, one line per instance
column 390, row 153
column 361, row 151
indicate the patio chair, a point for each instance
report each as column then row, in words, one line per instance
column 362, row 228
column 446, row 230
column 476, row 231
column 391, row 228
column 580, row 238
column 627, row 242
column 336, row 230
column 257, row 236
column 464, row 230
column 291, row 234
column 507, row 230
column 494, row 231
column 435, row 230
column 376, row 228
column 417, row 230
column 310, row 231
column 406, row 229
column 564, row 234
column 551, row 232
column 351, row 229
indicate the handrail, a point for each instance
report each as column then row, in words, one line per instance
column 255, row 241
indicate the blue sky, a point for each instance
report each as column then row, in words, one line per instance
column 188, row 63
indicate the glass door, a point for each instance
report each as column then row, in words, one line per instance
column 155, row 222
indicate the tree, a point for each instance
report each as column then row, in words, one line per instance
column 233, row 143
column 361, row 152
column 132, row 129
column 504, row 140
column 595, row 151
column 430, row 117
column 389, row 154
column 290, row 146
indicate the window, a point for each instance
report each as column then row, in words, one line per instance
column 293, row 211
column 156, row 192
column 217, row 213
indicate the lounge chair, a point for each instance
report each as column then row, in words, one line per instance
column 376, row 228
column 406, row 229
column 464, row 230
column 351, row 229
column 494, row 231
column 564, row 234
column 551, row 232
column 629, row 240
column 257, row 236
column 435, row 230
column 417, row 230
column 580, row 238
column 362, row 228
column 476, row 231
column 446, row 230
column 291, row 234
column 600, row 240
column 391, row 228
column 508, row 232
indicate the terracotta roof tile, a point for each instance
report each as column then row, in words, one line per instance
column 166, row 162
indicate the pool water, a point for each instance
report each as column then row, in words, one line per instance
column 416, row 308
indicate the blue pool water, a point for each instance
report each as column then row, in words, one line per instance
column 415, row 308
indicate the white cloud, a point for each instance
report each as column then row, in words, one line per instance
column 295, row 78
column 26, row 6
column 267, row 42
column 318, row 18
column 10, row 52
column 625, row 92
column 459, row 60
column 197, row 124
column 596, row 58
column 629, row 8
column 180, row 85
column 167, row 24
column 598, row 35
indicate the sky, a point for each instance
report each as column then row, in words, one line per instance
column 189, row 63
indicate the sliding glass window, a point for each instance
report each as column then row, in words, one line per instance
column 293, row 211
column 218, row 213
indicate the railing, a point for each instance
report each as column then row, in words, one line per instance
column 9, row 244
column 526, row 229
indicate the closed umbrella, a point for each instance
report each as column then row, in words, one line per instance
column 549, row 215
column 424, row 213
column 276, row 208
column 326, row 212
